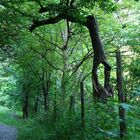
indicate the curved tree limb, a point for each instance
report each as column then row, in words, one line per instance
column 45, row 22
column 99, row 53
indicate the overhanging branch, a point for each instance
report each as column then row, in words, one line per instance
column 53, row 20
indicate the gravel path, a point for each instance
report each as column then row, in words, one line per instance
column 7, row 132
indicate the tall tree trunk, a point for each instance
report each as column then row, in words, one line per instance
column 25, row 105
column 46, row 95
column 121, row 95
column 45, row 87
column 63, row 86
column 75, row 90
column 72, row 100
column 55, row 107
column 65, row 37
column 82, row 103
column 36, row 105
column 99, row 58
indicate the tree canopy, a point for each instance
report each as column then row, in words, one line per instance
column 70, row 68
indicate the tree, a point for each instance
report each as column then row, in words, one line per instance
column 70, row 12
column 121, row 95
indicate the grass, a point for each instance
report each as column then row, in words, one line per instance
column 27, row 129
column 42, row 128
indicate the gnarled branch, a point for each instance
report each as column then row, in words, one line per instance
column 99, row 53
column 53, row 20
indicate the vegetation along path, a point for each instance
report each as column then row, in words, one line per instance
column 7, row 132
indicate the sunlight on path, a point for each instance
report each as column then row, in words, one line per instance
column 7, row 132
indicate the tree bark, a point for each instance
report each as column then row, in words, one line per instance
column 36, row 105
column 55, row 105
column 65, row 37
column 121, row 95
column 72, row 101
column 25, row 105
column 46, row 100
column 82, row 103
column 99, row 58
column 45, row 88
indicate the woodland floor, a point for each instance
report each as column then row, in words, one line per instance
column 7, row 132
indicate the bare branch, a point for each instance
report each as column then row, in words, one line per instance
column 50, row 64
column 86, row 76
column 76, row 67
column 54, row 44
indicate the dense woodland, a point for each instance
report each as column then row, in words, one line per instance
column 70, row 69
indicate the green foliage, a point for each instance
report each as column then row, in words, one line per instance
column 30, row 60
column 135, row 68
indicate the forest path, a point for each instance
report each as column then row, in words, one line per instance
column 7, row 132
